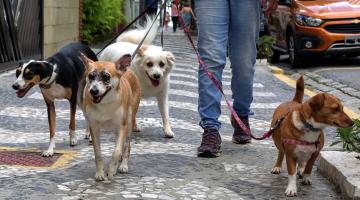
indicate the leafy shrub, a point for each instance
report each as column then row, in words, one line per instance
column 349, row 137
column 264, row 47
column 100, row 17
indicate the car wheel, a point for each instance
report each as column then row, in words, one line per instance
column 296, row 59
column 275, row 57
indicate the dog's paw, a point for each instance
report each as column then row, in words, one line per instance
column 123, row 169
column 73, row 139
column 291, row 191
column 111, row 172
column 87, row 134
column 306, row 179
column 100, row 175
column 90, row 140
column 169, row 133
column 276, row 170
column 300, row 172
column 47, row 153
column 135, row 129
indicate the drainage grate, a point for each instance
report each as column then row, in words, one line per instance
column 30, row 159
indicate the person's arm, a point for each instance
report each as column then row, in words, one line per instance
column 192, row 13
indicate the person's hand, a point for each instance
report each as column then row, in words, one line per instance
column 269, row 5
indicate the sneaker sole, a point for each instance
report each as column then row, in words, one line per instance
column 208, row 154
column 241, row 142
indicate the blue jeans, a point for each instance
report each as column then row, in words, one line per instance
column 223, row 22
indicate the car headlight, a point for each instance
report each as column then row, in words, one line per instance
column 308, row 21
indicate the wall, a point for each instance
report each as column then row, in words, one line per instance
column 61, row 24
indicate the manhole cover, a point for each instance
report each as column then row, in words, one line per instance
column 31, row 159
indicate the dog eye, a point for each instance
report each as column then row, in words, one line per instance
column 161, row 64
column 150, row 64
column 105, row 76
column 28, row 75
column 18, row 72
column 91, row 76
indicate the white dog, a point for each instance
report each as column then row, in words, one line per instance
column 152, row 66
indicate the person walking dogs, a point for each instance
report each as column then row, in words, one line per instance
column 223, row 22
column 174, row 16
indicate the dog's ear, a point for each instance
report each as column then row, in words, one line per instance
column 170, row 58
column 85, row 60
column 313, row 104
column 123, row 62
column 141, row 51
column 317, row 101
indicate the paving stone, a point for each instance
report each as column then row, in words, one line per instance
column 349, row 90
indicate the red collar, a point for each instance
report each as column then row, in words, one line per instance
column 299, row 142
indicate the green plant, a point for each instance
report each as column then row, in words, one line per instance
column 349, row 137
column 264, row 47
column 100, row 17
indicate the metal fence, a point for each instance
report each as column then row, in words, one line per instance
column 20, row 31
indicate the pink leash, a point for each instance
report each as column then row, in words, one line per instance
column 219, row 87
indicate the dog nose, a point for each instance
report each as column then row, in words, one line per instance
column 156, row 76
column 16, row 86
column 94, row 91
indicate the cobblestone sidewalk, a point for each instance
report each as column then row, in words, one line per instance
column 159, row 168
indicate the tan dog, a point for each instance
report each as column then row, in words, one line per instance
column 111, row 98
column 300, row 137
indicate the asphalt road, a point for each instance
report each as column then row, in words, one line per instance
column 345, row 70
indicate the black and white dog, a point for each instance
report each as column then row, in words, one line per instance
column 59, row 77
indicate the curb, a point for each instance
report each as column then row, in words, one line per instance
column 279, row 73
column 342, row 168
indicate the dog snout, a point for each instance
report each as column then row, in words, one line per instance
column 94, row 91
column 156, row 76
column 16, row 86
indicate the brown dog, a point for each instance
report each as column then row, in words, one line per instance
column 111, row 98
column 300, row 137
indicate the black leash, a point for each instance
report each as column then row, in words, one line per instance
column 128, row 26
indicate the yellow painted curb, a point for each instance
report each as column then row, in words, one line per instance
column 61, row 162
column 276, row 70
column 281, row 76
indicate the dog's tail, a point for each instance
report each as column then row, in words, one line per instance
column 299, row 94
column 136, row 35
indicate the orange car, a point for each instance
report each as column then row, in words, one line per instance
column 308, row 27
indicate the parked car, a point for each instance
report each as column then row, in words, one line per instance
column 303, row 28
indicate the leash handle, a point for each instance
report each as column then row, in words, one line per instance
column 127, row 27
column 218, row 84
column 142, row 41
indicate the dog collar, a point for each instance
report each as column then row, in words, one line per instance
column 297, row 142
column 52, row 79
column 308, row 127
